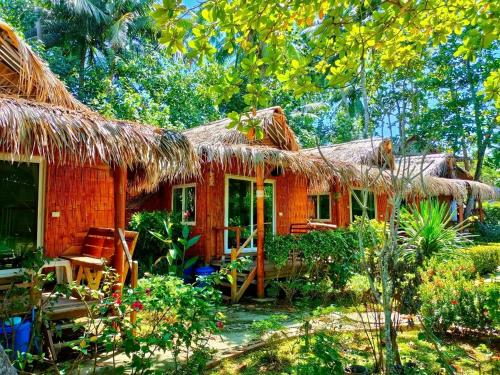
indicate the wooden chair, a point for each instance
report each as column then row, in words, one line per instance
column 96, row 251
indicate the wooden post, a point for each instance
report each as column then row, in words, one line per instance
column 260, row 230
column 134, row 277
column 460, row 209
column 120, row 191
column 481, row 212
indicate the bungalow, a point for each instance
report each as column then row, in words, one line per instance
column 65, row 168
column 251, row 187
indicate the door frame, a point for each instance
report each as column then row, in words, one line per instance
column 40, row 224
column 227, row 177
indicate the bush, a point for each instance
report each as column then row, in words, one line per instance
column 329, row 259
column 148, row 248
column 453, row 296
column 486, row 258
column 177, row 317
column 492, row 213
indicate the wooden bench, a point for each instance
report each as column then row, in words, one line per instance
column 96, row 251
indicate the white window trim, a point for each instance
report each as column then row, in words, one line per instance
column 317, row 206
column 374, row 204
column 40, row 224
column 227, row 177
column 183, row 187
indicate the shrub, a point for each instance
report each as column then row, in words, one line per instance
column 329, row 259
column 452, row 296
column 492, row 213
column 177, row 317
column 486, row 258
column 148, row 248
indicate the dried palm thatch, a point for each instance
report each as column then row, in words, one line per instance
column 435, row 175
column 439, row 165
column 216, row 143
column 277, row 133
column 39, row 116
column 360, row 170
column 370, row 152
column 23, row 74
column 67, row 136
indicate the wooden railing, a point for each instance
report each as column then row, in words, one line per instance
column 237, row 293
column 133, row 265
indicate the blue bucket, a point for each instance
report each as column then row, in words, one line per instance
column 21, row 332
column 203, row 272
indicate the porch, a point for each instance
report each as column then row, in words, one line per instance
column 241, row 280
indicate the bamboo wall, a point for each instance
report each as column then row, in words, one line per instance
column 83, row 197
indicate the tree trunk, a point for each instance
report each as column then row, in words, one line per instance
column 366, row 113
column 81, row 69
column 465, row 154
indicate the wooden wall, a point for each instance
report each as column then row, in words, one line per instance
column 290, row 204
column 83, row 197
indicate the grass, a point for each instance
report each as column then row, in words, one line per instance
column 286, row 357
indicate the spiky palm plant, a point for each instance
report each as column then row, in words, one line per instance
column 428, row 231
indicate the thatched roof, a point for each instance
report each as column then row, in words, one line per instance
column 25, row 75
column 436, row 175
column 277, row 133
column 39, row 116
column 369, row 152
column 439, row 165
column 216, row 143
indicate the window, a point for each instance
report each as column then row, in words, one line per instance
column 357, row 209
column 319, row 207
column 184, row 202
column 241, row 210
column 21, row 186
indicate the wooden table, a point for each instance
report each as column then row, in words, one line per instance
column 89, row 268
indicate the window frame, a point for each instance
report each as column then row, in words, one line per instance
column 375, row 210
column 184, row 187
column 40, row 220
column 317, row 206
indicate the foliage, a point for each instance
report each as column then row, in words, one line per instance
column 428, row 230
column 175, row 251
column 309, row 46
column 321, row 358
column 453, row 297
column 486, row 232
column 486, row 258
column 492, row 212
column 148, row 248
column 324, row 261
column 177, row 317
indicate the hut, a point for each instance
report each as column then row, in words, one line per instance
column 438, row 175
column 248, row 187
column 65, row 168
column 370, row 157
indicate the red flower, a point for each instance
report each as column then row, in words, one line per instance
column 454, row 302
column 137, row 306
column 117, row 298
column 219, row 324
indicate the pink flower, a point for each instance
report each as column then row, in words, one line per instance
column 148, row 291
column 186, row 215
column 137, row 306
column 219, row 324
